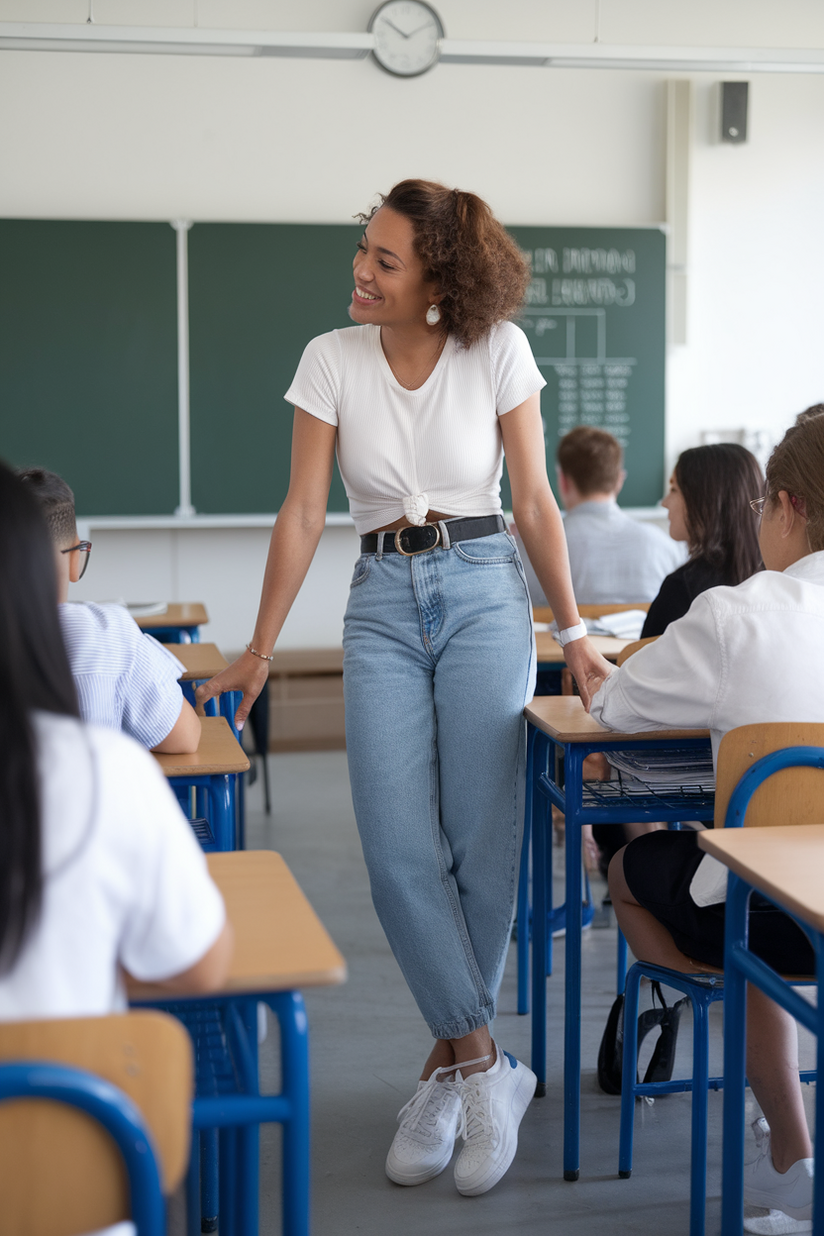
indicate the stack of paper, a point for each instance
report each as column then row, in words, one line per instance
column 685, row 769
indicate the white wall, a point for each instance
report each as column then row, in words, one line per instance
column 139, row 137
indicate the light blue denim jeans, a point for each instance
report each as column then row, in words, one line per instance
column 438, row 664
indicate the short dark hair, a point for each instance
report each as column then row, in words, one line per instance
column 592, row 459
column 481, row 272
column 56, row 501
column 718, row 483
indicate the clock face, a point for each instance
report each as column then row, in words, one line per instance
column 407, row 37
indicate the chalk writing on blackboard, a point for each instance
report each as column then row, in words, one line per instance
column 566, row 319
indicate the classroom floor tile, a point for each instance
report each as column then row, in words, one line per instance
column 368, row 1043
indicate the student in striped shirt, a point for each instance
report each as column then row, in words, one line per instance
column 125, row 680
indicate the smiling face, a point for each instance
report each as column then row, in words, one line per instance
column 390, row 289
column 676, row 508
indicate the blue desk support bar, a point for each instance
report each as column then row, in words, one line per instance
column 564, row 787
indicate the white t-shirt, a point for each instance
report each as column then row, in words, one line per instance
column 402, row 453
column 125, row 880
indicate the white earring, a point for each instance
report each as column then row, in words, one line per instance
column 433, row 315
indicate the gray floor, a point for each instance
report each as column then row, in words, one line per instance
column 368, row 1043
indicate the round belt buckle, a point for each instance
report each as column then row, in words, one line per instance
column 429, row 536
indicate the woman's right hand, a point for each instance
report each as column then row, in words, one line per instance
column 247, row 674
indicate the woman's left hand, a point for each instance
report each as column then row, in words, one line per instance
column 588, row 667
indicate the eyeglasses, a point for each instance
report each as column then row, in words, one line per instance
column 83, row 547
column 757, row 504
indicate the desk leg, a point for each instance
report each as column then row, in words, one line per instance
column 294, row 1047
column 522, row 915
column 735, row 1012
column 541, row 846
column 223, row 811
column 572, row 1009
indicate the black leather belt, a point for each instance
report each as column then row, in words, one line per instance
column 411, row 540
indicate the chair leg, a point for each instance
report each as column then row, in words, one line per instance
column 228, row 1176
column 294, row 1046
column 628, row 1076
column 700, row 1103
column 621, row 963
column 209, row 1202
column 193, row 1187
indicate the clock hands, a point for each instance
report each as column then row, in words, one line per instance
column 403, row 33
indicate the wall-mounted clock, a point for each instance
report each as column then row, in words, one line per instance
column 408, row 36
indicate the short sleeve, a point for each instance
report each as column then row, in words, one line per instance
column 177, row 912
column 316, row 385
column 151, row 694
column 515, row 374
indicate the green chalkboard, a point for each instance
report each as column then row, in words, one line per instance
column 88, row 359
column 88, row 346
column 257, row 294
column 594, row 315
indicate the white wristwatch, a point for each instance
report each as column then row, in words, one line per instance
column 570, row 634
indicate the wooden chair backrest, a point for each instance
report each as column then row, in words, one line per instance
column 542, row 613
column 60, row 1172
column 632, row 648
column 792, row 796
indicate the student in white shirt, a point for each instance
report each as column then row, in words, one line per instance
column 125, row 680
column 741, row 655
column 101, row 873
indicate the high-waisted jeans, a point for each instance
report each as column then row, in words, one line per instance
column 438, row 665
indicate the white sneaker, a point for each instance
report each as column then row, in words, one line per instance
column 775, row 1222
column 423, row 1145
column 492, row 1106
column 790, row 1193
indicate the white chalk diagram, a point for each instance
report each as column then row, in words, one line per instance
column 592, row 386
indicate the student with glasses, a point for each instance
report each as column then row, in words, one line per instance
column 125, row 680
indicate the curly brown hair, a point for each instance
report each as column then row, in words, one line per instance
column 481, row 272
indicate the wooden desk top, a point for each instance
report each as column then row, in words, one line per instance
column 176, row 614
column 280, row 943
column 551, row 652
column 218, row 752
column 785, row 863
column 564, row 718
column 200, row 660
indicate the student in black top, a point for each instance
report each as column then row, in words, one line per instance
column 708, row 504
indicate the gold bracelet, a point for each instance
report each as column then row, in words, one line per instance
column 255, row 653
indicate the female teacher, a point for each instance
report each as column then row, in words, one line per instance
column 421, row 399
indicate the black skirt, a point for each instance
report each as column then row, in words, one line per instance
column 659, row 867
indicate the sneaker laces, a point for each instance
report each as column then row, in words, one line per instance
column 422, row 1112
column 476, row 1116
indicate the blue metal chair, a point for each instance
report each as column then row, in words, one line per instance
column 58, row 1173
column 777, row 745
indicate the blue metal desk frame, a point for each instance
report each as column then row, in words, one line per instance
column 555, row 775
column 228, row 1101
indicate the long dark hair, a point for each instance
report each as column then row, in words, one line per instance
column 34, row 674
column 718, row 483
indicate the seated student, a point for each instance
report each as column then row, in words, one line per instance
column 708, row 505
column 125, row 680
column 741, row 655
column 612, row 557
column 101, row 872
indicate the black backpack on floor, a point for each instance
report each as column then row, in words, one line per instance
column 611, row 1051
